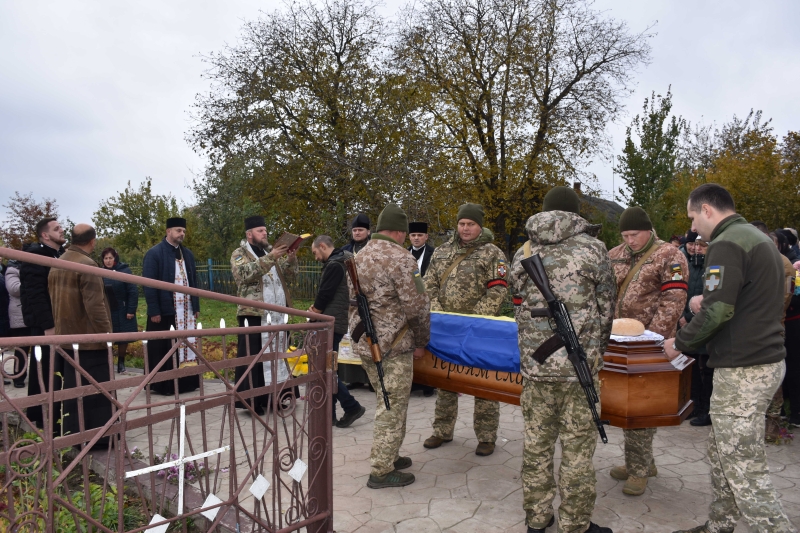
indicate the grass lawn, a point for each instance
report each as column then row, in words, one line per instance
column 211, row 311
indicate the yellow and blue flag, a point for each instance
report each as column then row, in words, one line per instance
column 487, row 342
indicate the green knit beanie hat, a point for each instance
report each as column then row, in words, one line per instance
column 473, row 212
column 392, row 218
column 635, row 219
column 562, row 198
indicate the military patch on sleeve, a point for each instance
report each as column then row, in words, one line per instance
column 677, row 272
column 239, row 260
column 714, row 278
column 418, row 283
column 501, row 269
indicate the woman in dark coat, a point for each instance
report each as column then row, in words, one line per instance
column 123, row 298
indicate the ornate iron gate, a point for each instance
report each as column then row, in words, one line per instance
column 189, row 461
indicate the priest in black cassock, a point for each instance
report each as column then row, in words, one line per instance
column 422, row 252
column 171, row 262
column 420, row 249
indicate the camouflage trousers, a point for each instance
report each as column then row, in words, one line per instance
column 775, row 409
column 739, row 472
column 390, row 426
column 485, row 417
column 638, row 450
column 552, row 411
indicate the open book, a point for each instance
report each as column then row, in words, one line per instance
column 291, row 240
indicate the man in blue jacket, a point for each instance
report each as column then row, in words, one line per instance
column 171, row 262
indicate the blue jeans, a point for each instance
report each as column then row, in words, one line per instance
column 349, row 404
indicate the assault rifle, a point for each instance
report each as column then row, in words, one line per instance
column 561, row 324
column 366, row 326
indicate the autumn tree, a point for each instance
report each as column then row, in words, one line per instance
column 523, row 90
column 649, row 160
column 135, row 218
column 23, row 213
column 305, row 107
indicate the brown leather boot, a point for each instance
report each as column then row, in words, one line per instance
column 621, row 472
column 635, row 486
column 434, row 442
column 484, row 448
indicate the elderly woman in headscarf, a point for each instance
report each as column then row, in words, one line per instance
column 123, row 298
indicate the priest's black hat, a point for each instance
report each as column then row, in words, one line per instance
column 361, row 221
column 254, row 222
column 176, row 222
column 418, row 227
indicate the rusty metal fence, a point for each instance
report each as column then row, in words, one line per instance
column 184, row 462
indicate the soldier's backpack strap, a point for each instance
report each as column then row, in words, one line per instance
column 631, row 274
column 453, row 266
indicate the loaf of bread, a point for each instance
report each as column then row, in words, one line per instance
column 627, row 327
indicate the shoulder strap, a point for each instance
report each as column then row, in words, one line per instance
column 452, row 267
column 631, row 273
column 526, row 249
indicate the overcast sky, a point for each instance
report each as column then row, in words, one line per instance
column 95, row 94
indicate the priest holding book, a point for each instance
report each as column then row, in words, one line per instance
column 260, row 274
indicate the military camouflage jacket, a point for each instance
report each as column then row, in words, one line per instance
column 248, row 273
column 580, row 276
column 656, row 295
column 477, row 286
column 389, row 279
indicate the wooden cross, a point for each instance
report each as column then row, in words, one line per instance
column 179, row 462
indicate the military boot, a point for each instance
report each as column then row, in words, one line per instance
column 392, row 479
column 484, row 448
column 434, row 441
column 634, row 486
column 621, row 472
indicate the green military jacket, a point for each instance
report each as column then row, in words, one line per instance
column 477, row 286
column 248, row 273
column 743, row 299
column 580, row 276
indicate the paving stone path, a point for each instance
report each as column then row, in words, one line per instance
column 457, row 491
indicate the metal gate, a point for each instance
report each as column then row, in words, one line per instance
column 191, row 461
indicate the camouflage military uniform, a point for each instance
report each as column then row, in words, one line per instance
column 656, row 297
column 248, row 272
column 477, row 286
column 553, row 402
column 390, row 280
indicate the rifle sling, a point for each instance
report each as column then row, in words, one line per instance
column 631, row 274
column 358, row 331
column 452, row 267
column 548, row 348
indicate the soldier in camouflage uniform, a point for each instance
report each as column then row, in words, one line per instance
column 400, row 311
column 476, row 286
column 656, row 297
column 740, row 322
column 553, row 402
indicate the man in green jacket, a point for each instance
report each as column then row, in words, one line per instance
column 740, row 322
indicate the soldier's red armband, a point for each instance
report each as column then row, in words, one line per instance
column 517, row 300
column 681, row 285
column 496, row 283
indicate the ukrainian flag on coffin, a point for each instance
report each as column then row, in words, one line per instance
column 487, row 342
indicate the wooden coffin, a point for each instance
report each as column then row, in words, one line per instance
column 641, row 388
column 490, row 384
